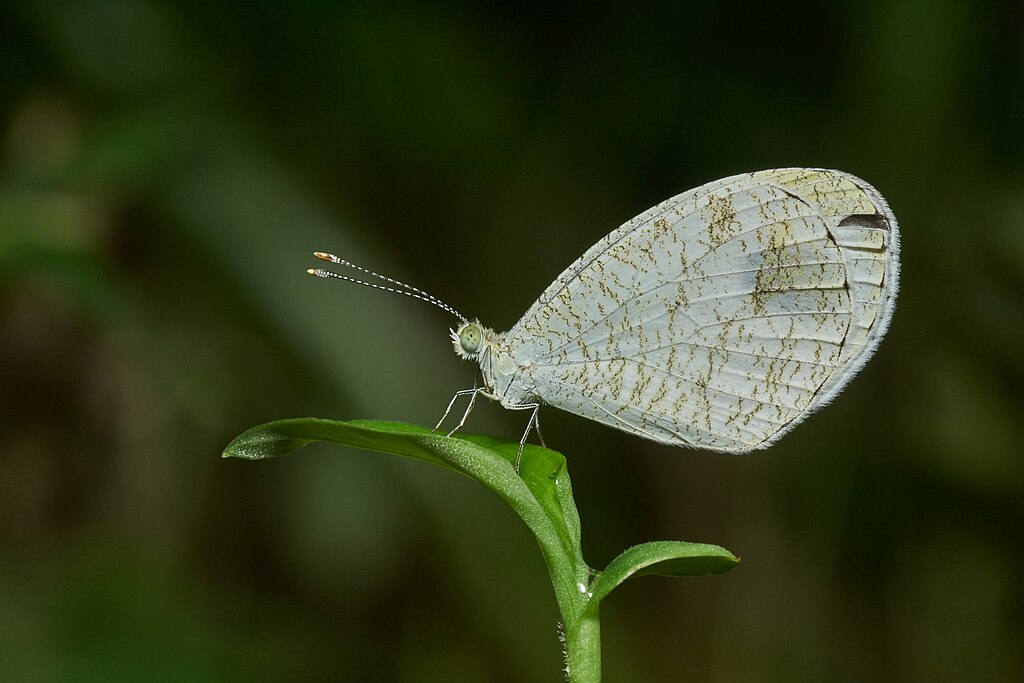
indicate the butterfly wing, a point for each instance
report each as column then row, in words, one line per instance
column 722, row 317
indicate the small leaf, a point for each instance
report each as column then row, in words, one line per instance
column 662, row 558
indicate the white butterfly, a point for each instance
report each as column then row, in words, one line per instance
column 718, row 319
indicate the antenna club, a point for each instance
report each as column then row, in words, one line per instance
column 311, row 271
column 324, row 256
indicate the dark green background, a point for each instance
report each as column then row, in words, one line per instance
column 166, row 168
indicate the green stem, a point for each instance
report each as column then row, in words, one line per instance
column 581, row 625
column 583, row 648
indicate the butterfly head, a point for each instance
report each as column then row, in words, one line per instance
column 472, row 340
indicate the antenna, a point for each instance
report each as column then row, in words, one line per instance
column 400, row 287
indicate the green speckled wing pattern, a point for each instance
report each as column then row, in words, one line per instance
column 723, row 316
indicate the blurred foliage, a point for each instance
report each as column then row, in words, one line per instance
column 166, row 168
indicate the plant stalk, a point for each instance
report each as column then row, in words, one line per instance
column 583, row 648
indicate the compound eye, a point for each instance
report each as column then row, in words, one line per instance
column 469, row 338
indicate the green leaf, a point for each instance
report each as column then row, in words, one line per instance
column 541, row 493
column 661, row 558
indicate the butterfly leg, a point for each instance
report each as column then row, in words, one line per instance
column 534, row 423
column 448, row 410
column 472, row 399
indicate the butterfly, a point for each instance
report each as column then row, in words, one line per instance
column 718, row 319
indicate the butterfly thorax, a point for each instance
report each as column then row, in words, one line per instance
column 504, row 379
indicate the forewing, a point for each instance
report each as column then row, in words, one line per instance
column 723, row 316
